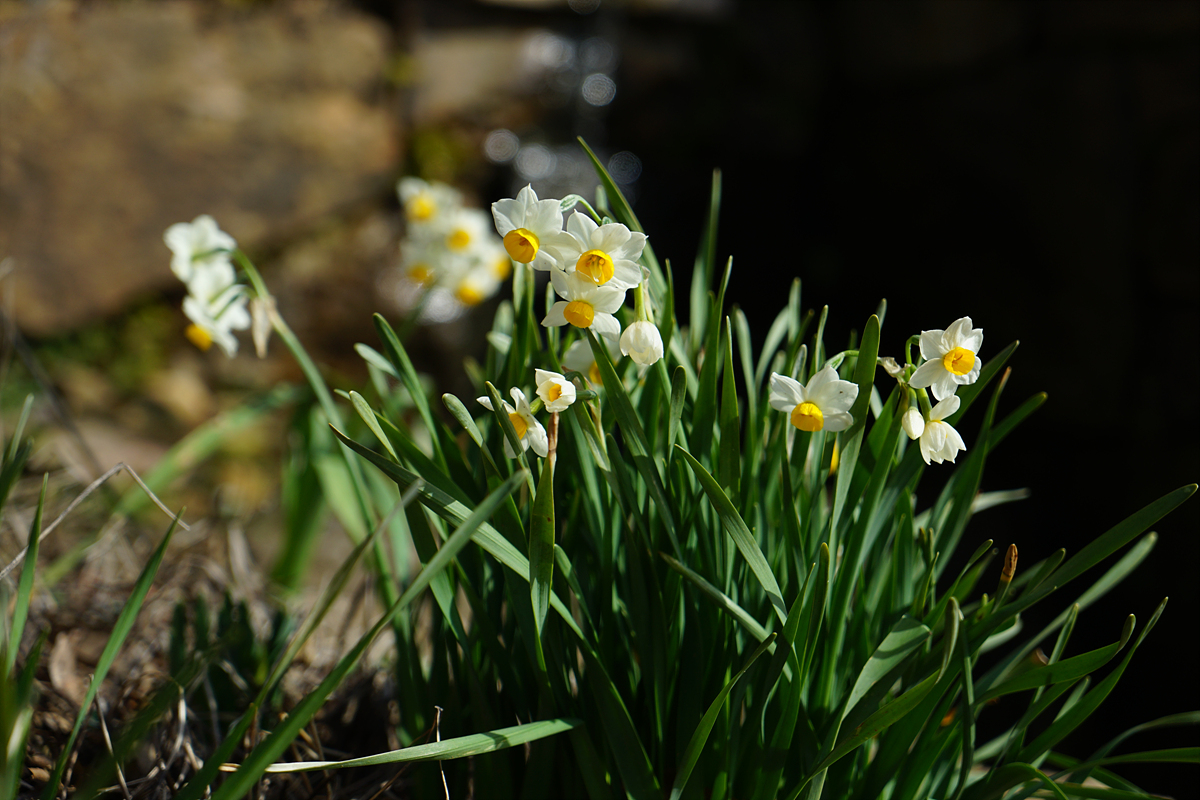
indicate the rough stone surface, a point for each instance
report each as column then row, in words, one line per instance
column 118, row 119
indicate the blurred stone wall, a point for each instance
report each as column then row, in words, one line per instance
column 119, row 119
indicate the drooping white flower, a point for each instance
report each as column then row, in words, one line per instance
column 200, row 251
column 939, row 441
column 578, row 358
column 425, row 204
column 602, row 254
column 642, row 342
column 215, row 320
column 556, row 391
column 532, row 228
column 951, row 358
column 824, row 404
column 585, row 305
column 529, row 431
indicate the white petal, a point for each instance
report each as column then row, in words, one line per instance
column 606, row 324
column 837, row 421
column 555, row 317
column 927, row 373
column 945, row 386
column 931, row 345
column 786, row 393
column 945, row 408
column 536, row 437
column 581, row 226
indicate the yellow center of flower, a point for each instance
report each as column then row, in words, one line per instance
column 468, row 295
column 959, row 361
column 595, row 265
column 421, row 208
column 579, row 313
column 458, row 239
column 553, row 393
column 502, row 268
column 420, row 273
column 522, row 244
column 807, row 417
column 594, row 374
column 198, row 336
column 518, row 423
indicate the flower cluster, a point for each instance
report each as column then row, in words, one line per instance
column 449, row 248
column 951, row 359
column 216, row 302
column 592, row 264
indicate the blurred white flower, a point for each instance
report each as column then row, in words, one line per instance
column 556, row 391
column 603, row 254
column 824, row 404
column 466, row 232
column 585, row 305
column 578, row 358
column 532, row 229
column 216, row 320
column 642, row 342
column 939, row 441
column 426, row 203
column 950, row 358
column 529, row 431
column 200, row 252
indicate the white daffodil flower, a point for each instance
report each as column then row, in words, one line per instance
column 466, row 232
column 939, row 441
column 824, row 404
column 585, row 305
column 476, row 285
column 200, row 252
column 529, row 431
column 602, row 254
column 556, row 391
column 532, row 229
column 578, row 358
column 216, row 320
column 426, row 203
column 951, row 358
column 642, row 342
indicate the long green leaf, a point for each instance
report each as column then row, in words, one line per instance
column 25, row 585
column 695, row 745
column 446, row 750
column 736, row 527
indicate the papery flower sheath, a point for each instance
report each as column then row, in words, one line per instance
column 585, row 305
column 824, row 404
column 939, row 441
column 642, row 342
column 200, row 251
column 532, row 229
column 603, row 254
column 529, row 431
column 951, row 358
column 556, row 391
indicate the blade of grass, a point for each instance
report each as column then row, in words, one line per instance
column 25, row 585
column 120, row 630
